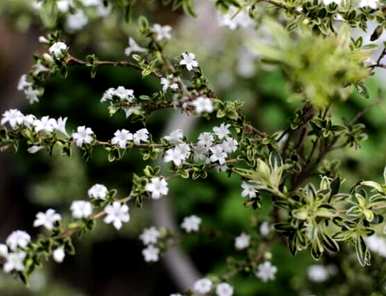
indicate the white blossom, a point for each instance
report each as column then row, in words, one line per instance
column 205, row 139
column 150, row 235
column 83, row 135
column 202, row 286
column 224, row 289
column 121, row 138
column 117, row 214
column 18, row 239
column 242, row 241
column 23, row 83
column 249, row 190
column 191, row 223
column 34, row 149
column 161, row 32
column 58, row 254
column 45, row 124
column 31, row 94
column 318, row 273
column 151, row 253
column 265, row 228
column 376, row 244
column 64, row 5
column 121, row 92
column 47, row 219
column 157, row 187
column 189, row 61
column 222, row 131
column 174, row 155
column 141, row 135
column 60, row 125
column 98, row 191
column 229, row 145
column 266, row 271
column 13, row 117
column 14, row 261
column 235, row 18
column 169, row 82
column 373, row 4
column 175, row 136
column 203, row 104
column 81, row 209
column 133, row 47
column 58, row 49
column 76, row 21
column 218, row 154
column 29, row 120
column 3, row 250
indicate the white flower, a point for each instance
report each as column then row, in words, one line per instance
column 249, row 190
column 203, row 104
column 83, row 135
column 14, row 261
column 31, row 94
column 191, row 223
column 174, row 155
column 64, row 5
column 116, row 214
column 58, row 49
column 218, row 154
column 98, row 191
column 58, row 254
column 60, row 125
column 150, row 235
column 205, row 139
column 175, row 136
column 29, row 120
column 373, row 4
column 189, row 61
column 23, row 83
column 13, row 117
column 234, row 19
column 133, row 47
column 157, row 187
column 81, row 209
column 169, row 82
column 222, row 131
column 242, row 241
column 3, row 250
column 161, row 32
column 151, row 253
column 76, row 21
column 124, row 93
column 266, row 271
column 202, row 286
column 265, row 228
column 34, row 149
column 229, row 145
column 121, row 138
column 47, row 219
column 224, row 289
column 376, row 244
column 18, row 238
column 141, row 135
column 45, row 124
column 317, row 273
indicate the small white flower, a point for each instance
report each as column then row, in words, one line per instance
column 205, row 139
column 124, row 93
column 18, row 238
column 218, row 154
column 265, row 228
column 161, row 32
column 133, row 47
column 60, row 125
column 29, row 120
column 47, row 219
column 175, row 155
column 76, row 21
column 169, row 82
column 157, row 187
column 141, row 135
column 222, row 131
column 224, row 289
column 34, row 149
column 318, row 273
column 202, row 286
column 373, row 4
column 175, row 136
column 64, row 5
column 150, row 235
column 242, row 241
column 377, row 244
column 189, row 61
column 266, row 271
column 83, row 135
column 249, row 190
column 203, row 104
column 117, row 214
column 229, row 145
column 45, row 124
column 121, row 138
column 235, row 18
column 58, row 254
column 151, row 253
column 23, row 83
column 14, row 261
column 191, row 223
column 13, row 117
column 31, row 94
column 3, row 250
column 98, row 191
column 58, row 50
column 81, row 209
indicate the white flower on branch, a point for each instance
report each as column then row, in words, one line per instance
column 373, row 4
column 134, row 47
column 81, row 209
column 121, row 138
column 242, row 241
column 83, row 135
column 265, row 228
column 158, row 187
column 178, row 154
column 45, row 124
column 47, row 219
column 189, row 61
column 98, row 191
column 169, row 82
column 18, row 239
column 203, row 104
column 13, row 117
column 224, row 289
column 222, row 131
column 141, row 136
column 202, row 286
column 117, row 214
column 14, row 261
column 175, row 136
column 122, row 93
column 58, row 254
column 150, row 235
column 205, row 139
column 191, row 224
column 161, row 32
column 58, row 50
column 266, row 271
column 218, row 154
column 23, row 82
column 229, row 145
column 151, row 253
column 318, row 273
column 249, row 190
